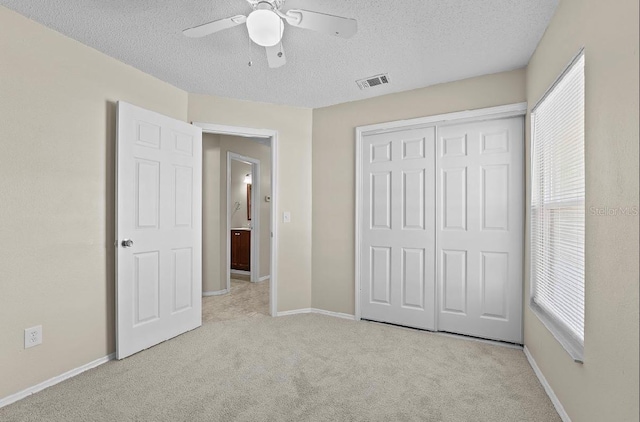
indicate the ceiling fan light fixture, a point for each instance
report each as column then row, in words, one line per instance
column 265, row 27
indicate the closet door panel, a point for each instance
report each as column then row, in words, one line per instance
column 480, row 228
column 397, row 251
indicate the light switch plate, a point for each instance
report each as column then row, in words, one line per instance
column 286, row 217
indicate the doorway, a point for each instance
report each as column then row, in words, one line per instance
column 159, row 224
column 243, row 219
column 239, row 197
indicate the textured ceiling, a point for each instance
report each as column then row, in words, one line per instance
column 418, row 43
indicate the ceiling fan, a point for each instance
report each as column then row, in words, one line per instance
column 265, row 26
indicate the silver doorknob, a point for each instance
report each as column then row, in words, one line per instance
column 127, row 243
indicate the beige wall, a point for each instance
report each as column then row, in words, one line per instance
column 605, row 387
column 334, row 168
column 294, row 182
column 57, row 145
column 212, row 222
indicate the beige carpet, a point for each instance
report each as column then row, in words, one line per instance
column 300, row 368
column 246, row 299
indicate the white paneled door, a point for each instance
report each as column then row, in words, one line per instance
column 441, row 228
column 397, row 227
column 158, row 229
column 480, row 201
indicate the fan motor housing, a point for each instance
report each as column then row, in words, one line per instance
column 266, row 4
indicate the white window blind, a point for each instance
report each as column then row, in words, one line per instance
column 558, row 203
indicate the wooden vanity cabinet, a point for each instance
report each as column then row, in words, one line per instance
column 241, row 250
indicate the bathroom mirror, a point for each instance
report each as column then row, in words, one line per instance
column 249, row 201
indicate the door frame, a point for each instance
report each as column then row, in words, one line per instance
column 490, row 113
column 255, row 216
column 272, row 135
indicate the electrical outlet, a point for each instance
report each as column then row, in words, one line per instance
column 32, row 336
column 286, row 217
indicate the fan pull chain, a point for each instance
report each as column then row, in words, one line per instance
column 250, row 61
column 281, row 25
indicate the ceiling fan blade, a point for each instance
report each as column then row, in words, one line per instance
column 275, row 56
column 215, row 26
column 328, row 24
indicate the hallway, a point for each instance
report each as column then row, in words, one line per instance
column 245, row 300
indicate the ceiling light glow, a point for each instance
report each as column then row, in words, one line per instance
column 265, row 27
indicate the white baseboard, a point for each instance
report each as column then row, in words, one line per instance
column 317, row 311
column 266, row 277
column 479, row 340
column 547, row 387
column 216, row 293
column 295, row 312
column 55, row 380
column 240, row 272
column 333, row 314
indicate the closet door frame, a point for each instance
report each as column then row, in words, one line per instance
column 468, row 116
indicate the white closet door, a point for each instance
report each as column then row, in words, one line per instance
column 480, row 228
column 397, row 228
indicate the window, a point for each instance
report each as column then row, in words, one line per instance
column 558, row 209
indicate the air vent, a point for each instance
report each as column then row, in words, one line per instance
column 372, row 81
